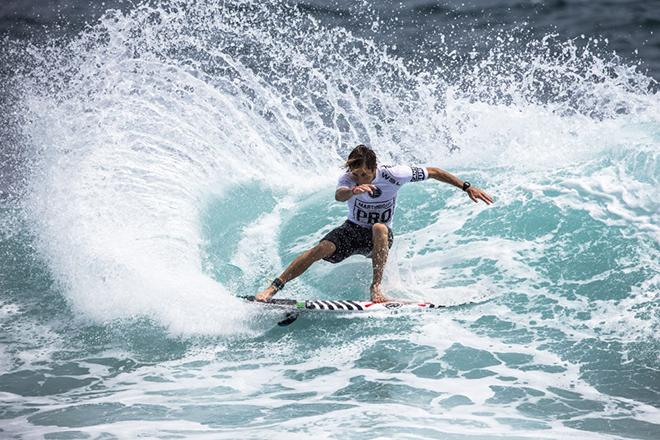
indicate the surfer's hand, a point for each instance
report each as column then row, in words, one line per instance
column 476, row 194
column 265, row 295
column 359, row 189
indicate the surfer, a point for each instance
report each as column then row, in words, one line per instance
column 370, row 192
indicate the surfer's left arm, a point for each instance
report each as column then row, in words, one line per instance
column 473, row 192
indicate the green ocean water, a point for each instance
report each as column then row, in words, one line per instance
column 174, row 159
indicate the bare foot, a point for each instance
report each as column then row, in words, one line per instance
column 377, row 294
column 266, row 294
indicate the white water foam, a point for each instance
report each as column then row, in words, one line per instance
column 140, row 120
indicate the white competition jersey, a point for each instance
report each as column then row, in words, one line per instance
column 366, row 209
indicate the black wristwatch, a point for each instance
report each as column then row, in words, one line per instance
column 466, row 185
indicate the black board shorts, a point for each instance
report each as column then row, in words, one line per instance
column 351, row 239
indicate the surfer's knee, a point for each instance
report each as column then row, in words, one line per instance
column 324, row 249
column 379, row 229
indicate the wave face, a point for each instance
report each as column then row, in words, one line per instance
column 170, row 158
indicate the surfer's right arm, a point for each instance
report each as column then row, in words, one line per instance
column 344, row 193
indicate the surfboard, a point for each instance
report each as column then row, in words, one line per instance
column 294, row 307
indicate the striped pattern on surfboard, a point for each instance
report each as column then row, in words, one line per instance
column 333, row 305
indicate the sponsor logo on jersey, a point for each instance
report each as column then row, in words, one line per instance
column 372, row 213
column 417, row 174
column 371, row 206
column 385, row 175
column 375, row 193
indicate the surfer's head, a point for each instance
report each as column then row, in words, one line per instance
column 361, row 164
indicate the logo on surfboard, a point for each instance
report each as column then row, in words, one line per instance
column 392, row 305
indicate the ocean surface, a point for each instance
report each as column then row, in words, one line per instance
column 159, row 159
